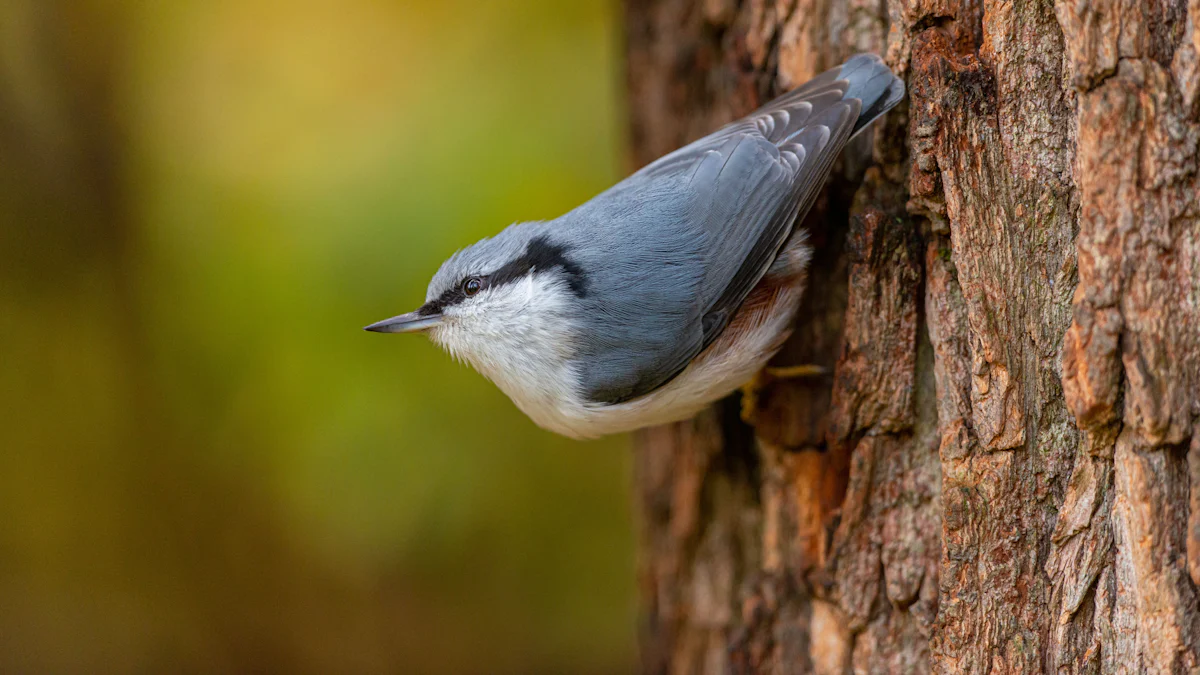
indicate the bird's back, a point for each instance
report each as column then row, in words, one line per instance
column 671, row 252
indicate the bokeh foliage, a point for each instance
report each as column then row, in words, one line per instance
column 204, row 464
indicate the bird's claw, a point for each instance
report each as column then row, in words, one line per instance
column 795, row 372
column 764, row 377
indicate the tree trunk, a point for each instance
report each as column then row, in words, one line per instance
column 1001, row 472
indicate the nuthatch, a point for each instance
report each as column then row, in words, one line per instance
column 666, row 292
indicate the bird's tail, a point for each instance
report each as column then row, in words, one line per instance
column 872, row 83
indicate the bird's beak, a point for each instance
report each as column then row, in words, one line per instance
column 406, row 323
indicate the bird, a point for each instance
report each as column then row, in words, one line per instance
column 666, row 292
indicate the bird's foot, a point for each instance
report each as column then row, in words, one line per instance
column 764, row 377
column 794, row 372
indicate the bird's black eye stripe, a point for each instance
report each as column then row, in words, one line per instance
column 540, row 255
column 455, row 294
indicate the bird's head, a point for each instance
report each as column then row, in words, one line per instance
column 502, row 304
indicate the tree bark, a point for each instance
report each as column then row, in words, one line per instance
column 1001, row 474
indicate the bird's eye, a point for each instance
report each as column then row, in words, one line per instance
column 472, row 285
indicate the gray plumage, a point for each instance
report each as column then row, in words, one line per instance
column 660, row 263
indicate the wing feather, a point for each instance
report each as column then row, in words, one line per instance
column 738, row 193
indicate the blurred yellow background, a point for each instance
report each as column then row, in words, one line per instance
column 205, row 464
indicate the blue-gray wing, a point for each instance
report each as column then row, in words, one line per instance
column 697, row 229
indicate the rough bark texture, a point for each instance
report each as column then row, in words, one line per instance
column 1002, row 472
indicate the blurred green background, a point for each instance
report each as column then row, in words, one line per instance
column 205, row 464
